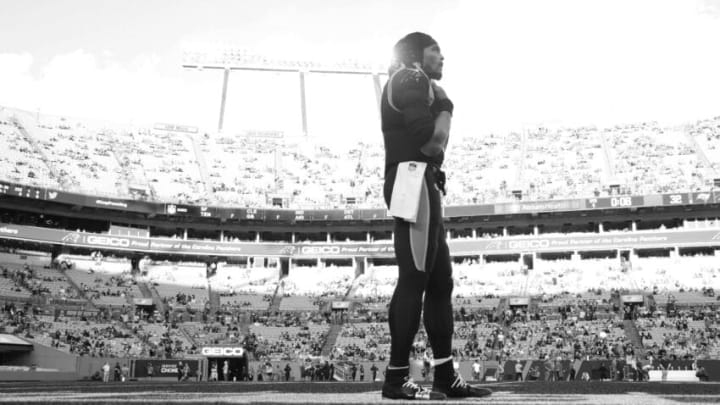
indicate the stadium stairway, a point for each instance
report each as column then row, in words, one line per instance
column 632, row 333
column 277, row 298
column 214, row 299
column 609, row 165
column 62, row 180
column 202, row 165
column 82, row 293
column 330, row 340
column 145, row 290
column 500, row 310
column 187, row 335
column 157, row 299
column 702, row 157
column 650, row 301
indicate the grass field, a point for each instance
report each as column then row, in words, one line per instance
column 566, row 393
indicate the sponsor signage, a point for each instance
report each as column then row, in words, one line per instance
column 570, row 243
column 143, row 301
column 458, row 247
column 164, row 368
column 521, row 207
column 632, row 298
column 350, row 249
column 175, row 128
column 519, row 301
column 222, row 351
column 340, row 305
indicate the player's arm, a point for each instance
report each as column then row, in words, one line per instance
column 443, row 107
column 441, row 135
column 411, row 90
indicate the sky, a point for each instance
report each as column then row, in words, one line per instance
column 509, row 64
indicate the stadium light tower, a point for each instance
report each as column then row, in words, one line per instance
column 229, row 59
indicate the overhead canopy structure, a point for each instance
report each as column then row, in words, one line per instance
column 12, row 343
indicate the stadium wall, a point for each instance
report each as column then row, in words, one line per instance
column 53, row 365
column 88, row 366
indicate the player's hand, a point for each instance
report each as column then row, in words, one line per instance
column 438, row 91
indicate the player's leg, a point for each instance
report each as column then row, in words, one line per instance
column 403, row 317
column 438, row 315
column 406, row 305
column 439, row 323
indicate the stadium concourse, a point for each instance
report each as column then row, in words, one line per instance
column 167, row 264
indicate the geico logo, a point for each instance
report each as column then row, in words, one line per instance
column 529, row 244
column 103, row 240
column 321, row 250
column 222, row 351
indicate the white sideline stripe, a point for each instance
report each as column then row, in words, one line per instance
column 498, row 397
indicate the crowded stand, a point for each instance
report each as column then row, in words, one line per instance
column 288, row 342
column 29, row 277
column 269, row 169
column 707, row 135
column 20, row 163
column 165, row 164
column 103, row 288
column 243, row 287
column 691, row 334
column 13, row 284
column 549, row 172
column 649, row 160
column 566, row 306
column 374, row 288
column 181, row 284
column 362, row 341
column 79, row 157
column 96, row 334
column 575, row 322
column 330, row 281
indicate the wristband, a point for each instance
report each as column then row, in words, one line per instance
column 444, row 105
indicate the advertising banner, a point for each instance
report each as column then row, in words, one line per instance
column 519, row 301
column 345, row 249
column 223, row 351
column 340, row 305
column 458, row 247
column 143, row 301
column 524, row 207
column 632, row 298
column 163, row 367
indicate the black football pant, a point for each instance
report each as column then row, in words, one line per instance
column 424, row 267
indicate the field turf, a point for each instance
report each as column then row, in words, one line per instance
column 526, row 393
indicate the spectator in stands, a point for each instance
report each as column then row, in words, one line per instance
column 117, row 371
column 186, row 371
column 213, row 371
column 700, row 372
column 287, row 370
column 106, row 372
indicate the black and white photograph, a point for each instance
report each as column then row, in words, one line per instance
column 360, row 201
